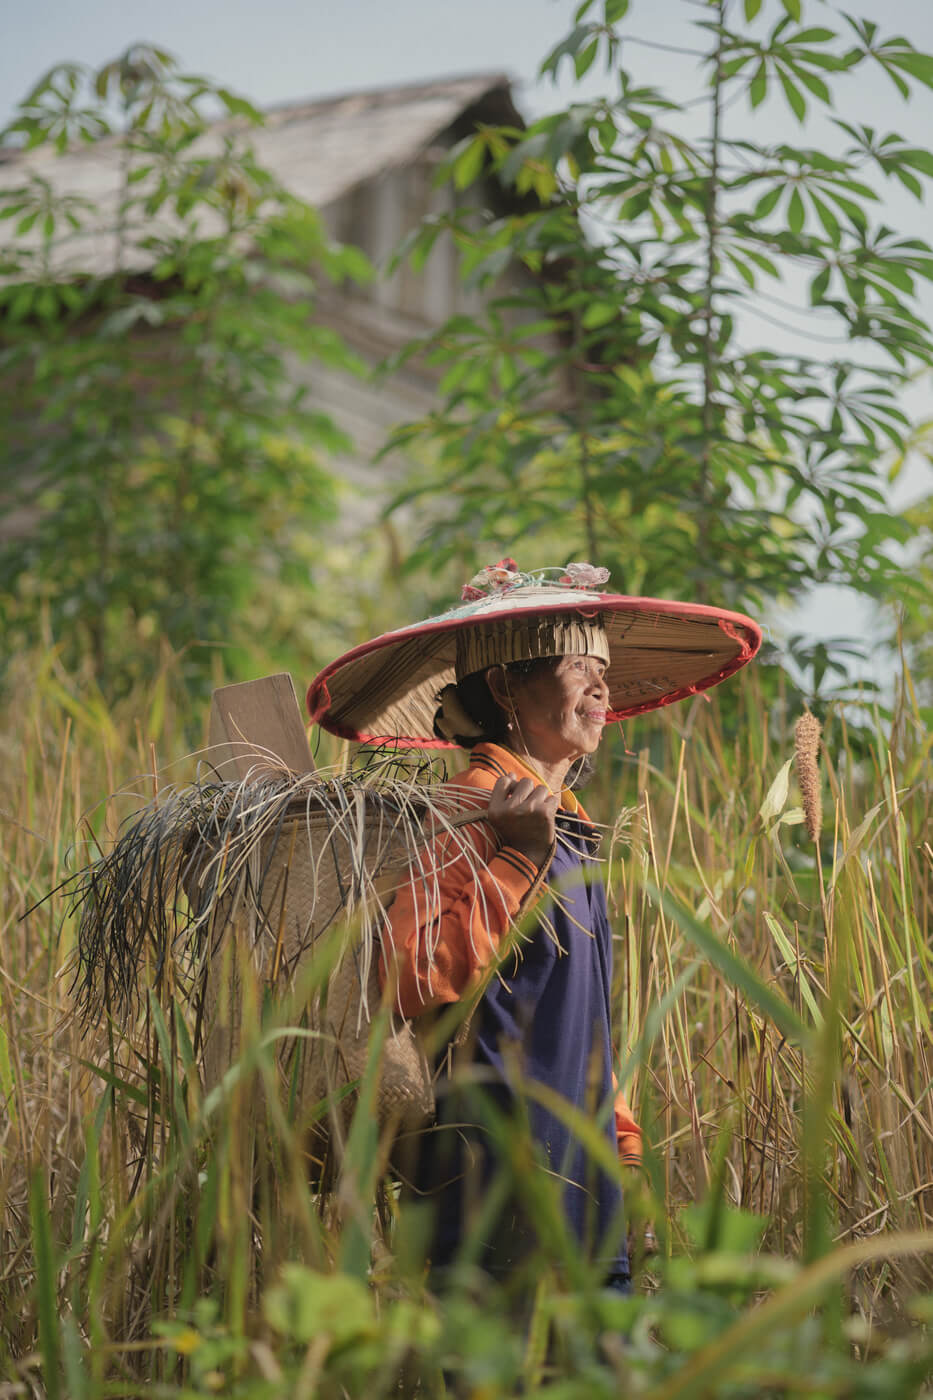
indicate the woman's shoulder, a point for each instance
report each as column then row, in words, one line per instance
column 488, row 763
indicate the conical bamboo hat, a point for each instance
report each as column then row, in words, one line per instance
column 659, row 651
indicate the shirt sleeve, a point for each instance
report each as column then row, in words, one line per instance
column 628, row 1133
column 449, row 916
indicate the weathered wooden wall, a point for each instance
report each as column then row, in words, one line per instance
column 370, row 162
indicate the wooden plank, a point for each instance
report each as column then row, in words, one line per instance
column 256, row 728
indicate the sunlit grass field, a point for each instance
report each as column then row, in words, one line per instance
column 773, row 1011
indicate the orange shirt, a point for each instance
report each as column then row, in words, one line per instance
column 445, row 928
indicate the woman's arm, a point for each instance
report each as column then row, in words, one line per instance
column 449, row 917
column 447, row 921
column 628, row 1133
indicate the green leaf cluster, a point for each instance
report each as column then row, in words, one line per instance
column 613, row 400
column 156, row 443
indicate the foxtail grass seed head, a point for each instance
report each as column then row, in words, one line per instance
column 807, row 751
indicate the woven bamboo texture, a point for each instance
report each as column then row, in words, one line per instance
column 306, row 879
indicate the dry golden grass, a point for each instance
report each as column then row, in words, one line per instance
column 840, row 926
column 792, row 1082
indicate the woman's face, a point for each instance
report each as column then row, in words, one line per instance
column 559, row 710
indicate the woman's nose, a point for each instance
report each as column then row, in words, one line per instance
column 599, row 683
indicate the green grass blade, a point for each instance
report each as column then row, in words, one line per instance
column 46, row 1293
column 735, row 969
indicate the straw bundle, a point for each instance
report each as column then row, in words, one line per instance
column 213, row 881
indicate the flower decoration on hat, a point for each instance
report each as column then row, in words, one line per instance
column 501, row 577
column 585, row 576
column 493, row 578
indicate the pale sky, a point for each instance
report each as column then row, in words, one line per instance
column 284, row 50
column 276, row 51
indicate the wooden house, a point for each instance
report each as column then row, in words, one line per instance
column 368, row 163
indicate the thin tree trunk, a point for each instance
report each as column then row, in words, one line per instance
column 710, row 354
column 586, row 490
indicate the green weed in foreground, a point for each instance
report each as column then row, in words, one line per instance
column 774, row 1005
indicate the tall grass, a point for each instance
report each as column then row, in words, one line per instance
column 840, row 927
column 773, row 1004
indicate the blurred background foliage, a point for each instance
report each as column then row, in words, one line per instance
column 169, row 465
column 654, row 436
column 611, row 404
column 184, row 517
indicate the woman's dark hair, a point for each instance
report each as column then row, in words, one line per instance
column 482, row 707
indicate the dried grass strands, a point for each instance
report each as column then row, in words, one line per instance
column 201, row 856
column 221, row 892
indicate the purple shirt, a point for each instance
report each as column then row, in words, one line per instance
column 545, row 1019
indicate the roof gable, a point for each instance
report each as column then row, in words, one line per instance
column 318, row 151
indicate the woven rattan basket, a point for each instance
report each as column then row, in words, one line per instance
column 260, row 904
column 309, row 892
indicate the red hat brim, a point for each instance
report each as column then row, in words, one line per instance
column 386, row 690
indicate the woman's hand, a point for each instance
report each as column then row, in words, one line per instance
column 521, row 813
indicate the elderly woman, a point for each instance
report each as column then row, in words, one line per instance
column 512, row 909
column 547, row 1016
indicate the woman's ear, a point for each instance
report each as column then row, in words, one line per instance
column 498, row 683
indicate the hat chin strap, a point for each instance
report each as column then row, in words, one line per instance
column 452, row 719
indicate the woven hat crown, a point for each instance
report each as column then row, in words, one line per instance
column 498, row 642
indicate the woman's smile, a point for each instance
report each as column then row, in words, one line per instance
column 595, row 716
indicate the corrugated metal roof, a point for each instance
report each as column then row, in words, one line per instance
column 318, row 150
